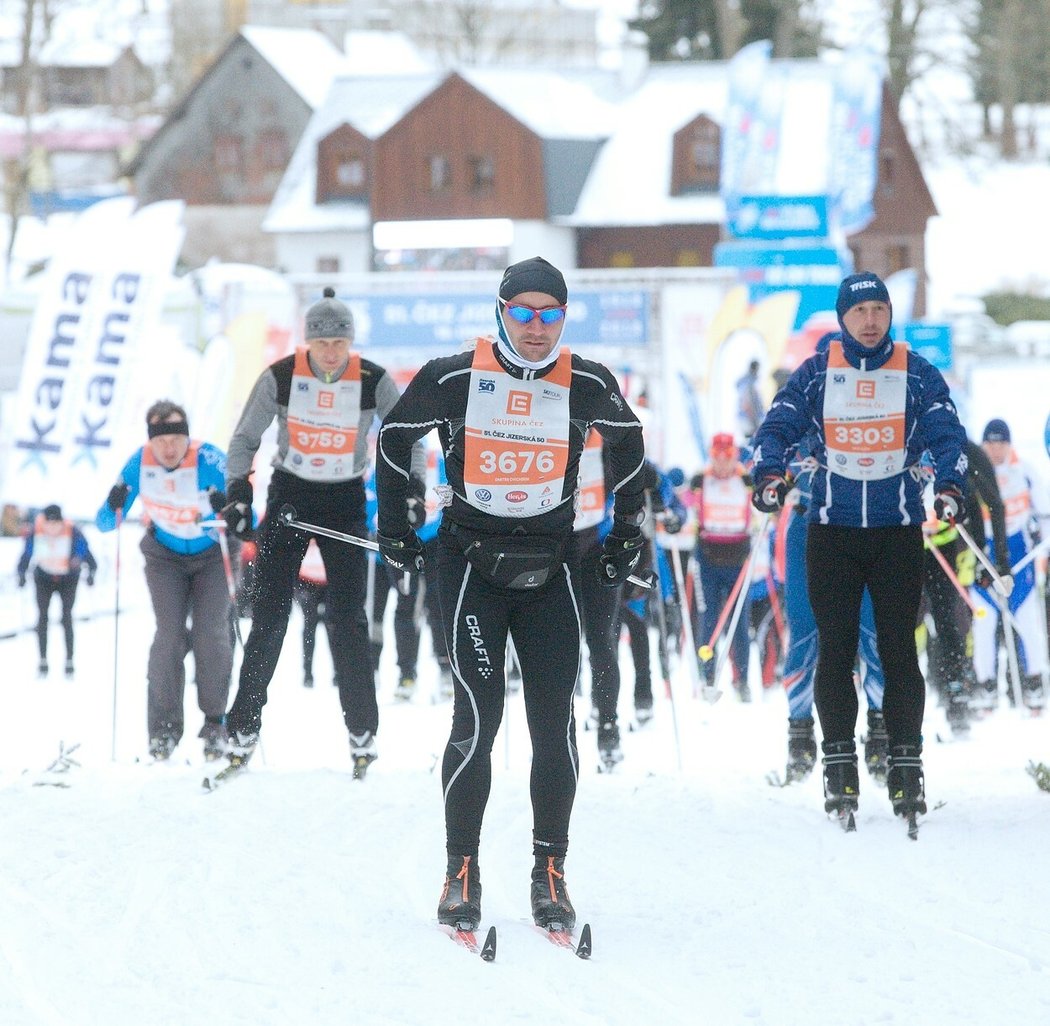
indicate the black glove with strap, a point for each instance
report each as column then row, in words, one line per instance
column 238, row 509
column 118, row 495
column 948, row 504
column 621, row 551
column 217, row 500
column 770, row 492
column 404, row 553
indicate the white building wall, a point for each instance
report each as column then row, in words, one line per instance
column 300, row 252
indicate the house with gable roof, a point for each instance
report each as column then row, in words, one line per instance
column 582, row 166
column 226, row 145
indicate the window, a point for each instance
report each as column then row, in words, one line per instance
column 273, row 149
column 482, row 174
column 228, row 153
column 697, row 159
column 887, row 169
column 897, row 258
column 350, row 173
column 440, row 173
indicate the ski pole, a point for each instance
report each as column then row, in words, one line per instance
column 707, row 651
column 288, row 516
column 661, row 626
column 1027, row 558
column 978, row 611
column 1002, row 594
column 231, row 584
column 710, row 694
column 741, row 600
column 116, row 633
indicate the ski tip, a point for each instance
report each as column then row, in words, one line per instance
column 583, row 949
column 488, row 949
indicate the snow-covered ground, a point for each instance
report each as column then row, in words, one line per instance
column 297, row 896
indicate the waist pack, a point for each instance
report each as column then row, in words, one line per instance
column 520, row 562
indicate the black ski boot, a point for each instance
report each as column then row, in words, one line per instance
column 609, row 750
column 213, row 734
column 551, row 907
column 907, row 785
column 460, row 904
column 1032, row 695
column 877, row 746
column 802, row 749
column 957, row 708
column 841, row 782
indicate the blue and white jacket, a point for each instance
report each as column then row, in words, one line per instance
column 931, row 424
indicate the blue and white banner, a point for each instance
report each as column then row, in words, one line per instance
column 102, row 294
column 440, row 323
column 746, row 119
column 854, row 139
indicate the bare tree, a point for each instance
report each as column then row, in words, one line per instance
column 17, row 168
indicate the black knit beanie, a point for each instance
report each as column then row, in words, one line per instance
column 534, row 275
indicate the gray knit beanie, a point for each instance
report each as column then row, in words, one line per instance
column 329, row 318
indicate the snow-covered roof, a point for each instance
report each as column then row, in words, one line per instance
column 554, row 105
column 376, row 52
column 304, row 58
column 370, row 104
column 630, row 182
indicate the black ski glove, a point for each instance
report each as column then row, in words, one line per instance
column 238, row 510
column 769, row 493
column 404, row 553
column 217, row 500
column 21, row 580
column 621, row 551
column 948, row 504
column 118, row 495
column 91, row 578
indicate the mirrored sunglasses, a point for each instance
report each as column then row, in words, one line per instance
column 525, row 314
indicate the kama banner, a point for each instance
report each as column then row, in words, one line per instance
column 76, row 411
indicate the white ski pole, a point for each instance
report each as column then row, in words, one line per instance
column 741, row 600
column 1002, row 595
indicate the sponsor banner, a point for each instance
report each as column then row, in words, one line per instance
column 779, row 217
column 932, row 341
column 744, row 121
column 76, row 401
column 813, row 271
column 441, row 323
column 854, row 139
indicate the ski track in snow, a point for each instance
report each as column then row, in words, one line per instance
column 297, row 896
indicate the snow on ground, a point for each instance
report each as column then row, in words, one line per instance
column 297, row 896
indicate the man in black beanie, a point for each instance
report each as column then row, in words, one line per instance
column 325, row 398
column 874, row 408
column 512, row 416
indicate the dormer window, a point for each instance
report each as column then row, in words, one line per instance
column 350, row 173
column 697, row 157
column 343, row 159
